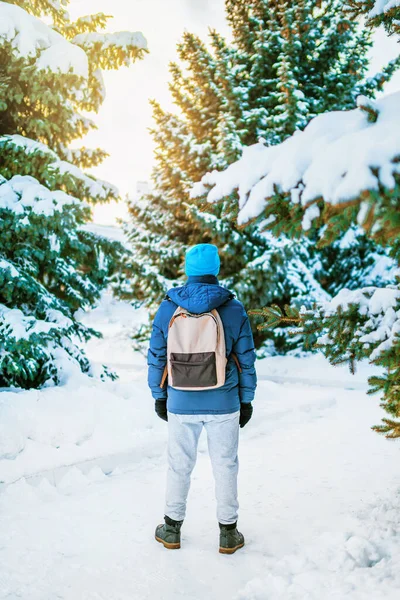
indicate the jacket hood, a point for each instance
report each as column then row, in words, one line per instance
column 199, row 297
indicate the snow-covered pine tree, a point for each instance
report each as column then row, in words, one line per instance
column 343, row 174
column 378, row 12
column 287, row 62
column 50, row 264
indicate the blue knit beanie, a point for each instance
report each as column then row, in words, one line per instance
column 202, row 259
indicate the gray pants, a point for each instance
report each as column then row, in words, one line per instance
column 222, row 438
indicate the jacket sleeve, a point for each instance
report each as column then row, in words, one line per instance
column 157, row 359
column 245, row 352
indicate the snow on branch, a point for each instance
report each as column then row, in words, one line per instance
column 24, row 193
column 339, row 156
column 120, row 39
column 383, row 6
column 110, row 49
column 29, row 146
column 23, row 327
column 371, row 8
column 32, row 37
column 380, row 310
column 85, row 186
column 377, row 12
column 84, row 24
column 95, row 188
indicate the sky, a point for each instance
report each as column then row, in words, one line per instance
column 126, row 116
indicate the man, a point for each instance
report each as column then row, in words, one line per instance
column 220, row 409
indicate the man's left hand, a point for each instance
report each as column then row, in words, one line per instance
column 246, row 411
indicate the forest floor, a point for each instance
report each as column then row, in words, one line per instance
column 82, row 475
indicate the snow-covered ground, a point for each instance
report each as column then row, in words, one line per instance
column 83, row 471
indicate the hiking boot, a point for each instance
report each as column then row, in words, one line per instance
column 169, row 534
column 230, row 539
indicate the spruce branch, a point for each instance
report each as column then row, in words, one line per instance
column 391, row 429
column 367, row 106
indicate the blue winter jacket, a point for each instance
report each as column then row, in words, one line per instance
column 202, row 294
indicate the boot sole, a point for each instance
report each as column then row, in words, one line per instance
column 230, row 550
column 167, row 545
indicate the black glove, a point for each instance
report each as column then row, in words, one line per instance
column 246, row 411
column 161, row 409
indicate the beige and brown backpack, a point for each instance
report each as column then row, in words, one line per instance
column 196, row 353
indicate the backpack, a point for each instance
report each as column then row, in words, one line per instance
column 196, row 353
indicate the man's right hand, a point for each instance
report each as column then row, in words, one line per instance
column 161, row 409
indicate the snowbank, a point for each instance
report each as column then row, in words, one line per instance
column 60, row 426
column 84, row 419
column 314, row 369
column 334, row 158
column 31, row 36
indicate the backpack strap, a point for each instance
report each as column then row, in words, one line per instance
column 235, row 358
column 180, row 312
column 165, row 372
column 164, row 377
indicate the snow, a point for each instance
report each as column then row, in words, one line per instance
column 5, row 264
column 83, row 419
column 84, row 470
column 31, row 36
column 98, row 74
column 119, row 39
column 383, row 6
column 63, row 56
column 22, row 327
column 94, row 187
column 385, row 268
column 23, row 193
column 28, row 145
column 381, row 307
column 111, row 232
column 312, row 370
column 357, row 564
column 372, row 301
column 311, row 213
column 332, row 158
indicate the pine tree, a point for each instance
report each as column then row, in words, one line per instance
column 378, row 12
column 288, row 62
column 336, row 191
column 50, row 263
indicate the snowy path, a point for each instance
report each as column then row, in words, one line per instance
column 306, row 468
column 312, row 475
